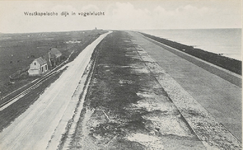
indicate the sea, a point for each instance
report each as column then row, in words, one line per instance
column 226, row 42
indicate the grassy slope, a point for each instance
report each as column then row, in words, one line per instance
column 108, row 94
column 109, row 115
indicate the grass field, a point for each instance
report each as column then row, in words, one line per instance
column 17, row 51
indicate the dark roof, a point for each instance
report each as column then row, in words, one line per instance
column 41, row 61
column 56, row 52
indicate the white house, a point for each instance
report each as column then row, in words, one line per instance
column 38, row 67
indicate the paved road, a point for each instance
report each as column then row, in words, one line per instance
column 219, row 97
column 38, row 125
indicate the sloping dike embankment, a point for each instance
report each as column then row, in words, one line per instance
column 132, row 103
column 221, row 61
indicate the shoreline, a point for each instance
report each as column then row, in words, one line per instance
column 227, row 63
column 216, row 70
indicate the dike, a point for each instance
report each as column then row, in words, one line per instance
column 204, row 61
column 219, row 60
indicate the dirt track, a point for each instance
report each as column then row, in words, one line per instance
column 36, row 127
column 17, row 101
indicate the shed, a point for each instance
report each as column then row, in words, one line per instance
column 54, row 56
column 38, row 67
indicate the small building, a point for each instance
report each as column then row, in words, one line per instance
column 54, row 57
column 38, row 67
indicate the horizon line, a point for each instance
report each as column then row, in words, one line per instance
column 120, row 29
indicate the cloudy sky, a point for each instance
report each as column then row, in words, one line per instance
column 120, row 15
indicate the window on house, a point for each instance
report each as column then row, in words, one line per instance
column 34, row 63
column 41, row 69
column 46, row 67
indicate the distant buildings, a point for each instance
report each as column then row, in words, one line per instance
column 38, row 67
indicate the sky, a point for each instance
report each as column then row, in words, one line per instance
column 120, row 15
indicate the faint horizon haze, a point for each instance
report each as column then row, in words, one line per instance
column 118, row 15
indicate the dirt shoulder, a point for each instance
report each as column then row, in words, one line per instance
column 126, row 107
